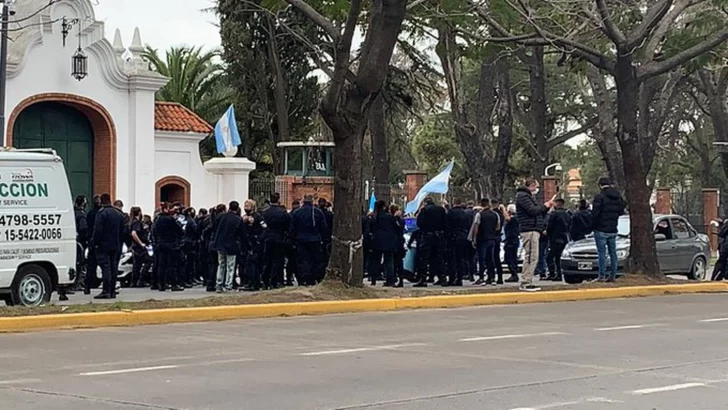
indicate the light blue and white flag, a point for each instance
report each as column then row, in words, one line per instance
column 437, row 185
column 372, row 202
column 227, row 137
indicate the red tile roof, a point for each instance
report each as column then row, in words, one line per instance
column 175, row 117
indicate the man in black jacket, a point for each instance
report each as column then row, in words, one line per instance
column 228, row 234
column 91, row 262
column 81, row 238
column 432, row 224
column 458, row 224
column 486, row 236
column 329, row 217
column 607, row 207
column 107, row 237
column 557, row 234
column 168, row 235
column 581, row 222
column 530, row 217
column 308, row 228
column 278, row 222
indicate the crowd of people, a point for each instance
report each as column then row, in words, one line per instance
column 249, row 249
column 179, row 248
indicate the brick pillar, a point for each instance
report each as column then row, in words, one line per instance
column 663, row 203
column 549, row 187
column 710, row 212
column 414, row 181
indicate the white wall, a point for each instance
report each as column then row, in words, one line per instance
column 177, row 154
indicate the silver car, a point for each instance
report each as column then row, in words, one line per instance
column 681, row 250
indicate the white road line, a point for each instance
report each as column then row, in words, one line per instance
column 668, row 388
column 606, row 329
column 18, row 381
column 570, row 403
column 718, row 319
column 123, row 371
column 500, row 337
column 361, row 349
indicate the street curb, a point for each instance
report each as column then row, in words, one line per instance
column 218, row 313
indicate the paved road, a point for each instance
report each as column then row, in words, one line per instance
column 651, row 353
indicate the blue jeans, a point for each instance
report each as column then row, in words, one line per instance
column 606, row 242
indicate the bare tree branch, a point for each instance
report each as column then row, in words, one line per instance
column 651, row 20
column 653, row 44
column 560, row 139
column 317, row 18
column 611, row 29
column 661, row 67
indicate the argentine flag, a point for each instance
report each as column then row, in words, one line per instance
column 437, row 185
column 227, row 137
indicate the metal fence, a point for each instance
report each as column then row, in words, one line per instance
column 260, row 190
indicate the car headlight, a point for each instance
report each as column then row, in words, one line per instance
column 622, row 253
column 566, row 255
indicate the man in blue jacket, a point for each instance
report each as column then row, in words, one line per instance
column 308, row 229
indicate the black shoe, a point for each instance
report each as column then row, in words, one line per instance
column 177, row 289
column 430, row 280
column 399, row 285
column 479, row 282
column 155, row 287
column 62, row 298
column 102, row 296
column 70, row 292
column 456, row 283
column 163, row 289
column 512, row 279
column 86, row 292
column 471, row 278
column 500, row 282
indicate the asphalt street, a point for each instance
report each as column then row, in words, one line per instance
column 650, row 353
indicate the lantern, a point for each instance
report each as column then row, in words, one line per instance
column 79, row 65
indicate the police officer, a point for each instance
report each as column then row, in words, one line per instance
column 168, row 234
column 500, row 211
column 458, row 223
column 254, row 226
column 190, row 243
column 278, row 223
column 91, row 263
column 308, row 227
column 432, row 222
column 292, row 270
column 472, row 254
column 107, row 237
column 486, row 236
column 81, row 238
column 329, row 216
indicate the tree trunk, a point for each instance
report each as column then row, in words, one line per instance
column 345, row 109
column 279, row 95
column 643, row 254
column 505, row 132
column 380, row 155
column 605, row 135
column 539, row 113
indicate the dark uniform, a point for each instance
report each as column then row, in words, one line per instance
column 292, row 270
column 142, row 260
column 557, row 232
column 308, row 227
column 497, row 251
column 719, row 271
column 432, row 222
column 107, row 240
column 190, row 244
column 472, row 253
column 252, row 252
column 91, row 262
column 488, row 239
column 329, row 217
column 512, row 242
column 459, row 224
column 278, row 222
column 168, row 236
column 82, row 243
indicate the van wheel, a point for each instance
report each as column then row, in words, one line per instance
column 31, row 287
column 699, row 270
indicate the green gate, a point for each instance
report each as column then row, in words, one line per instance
column 66, row 130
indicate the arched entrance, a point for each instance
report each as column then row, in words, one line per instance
column 79, row 129
column 173, row 189
column 66, row 130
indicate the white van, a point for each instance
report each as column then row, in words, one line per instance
column 37, row 227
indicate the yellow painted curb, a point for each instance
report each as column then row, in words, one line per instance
column 182, row 315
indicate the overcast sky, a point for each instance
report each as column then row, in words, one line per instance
column 163, row 23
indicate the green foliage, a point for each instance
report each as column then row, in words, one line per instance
column 435, row 144
column 246, row 29
column 196, row 80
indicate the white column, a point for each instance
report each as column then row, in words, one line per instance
column 140, row 169
column 234, row 178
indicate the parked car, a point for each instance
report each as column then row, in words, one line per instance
column 681, row 250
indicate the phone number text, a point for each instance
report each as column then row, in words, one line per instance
column 31, row 234
column 25, row 220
